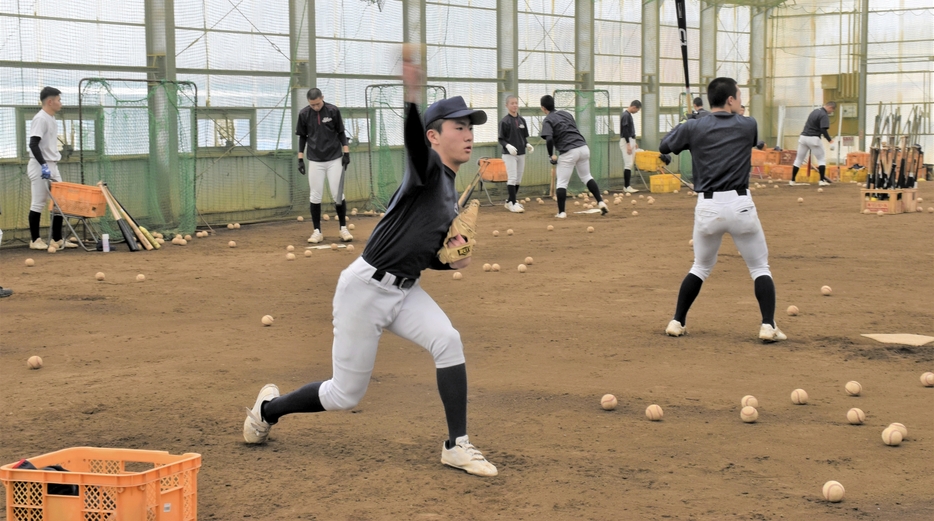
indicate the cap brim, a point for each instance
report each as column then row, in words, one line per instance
column 477, row 117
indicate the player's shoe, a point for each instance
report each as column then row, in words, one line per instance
column 824, row 182
column 791, row 183
column 5, row 292
column 676, row 329
column 466, row 457
column 516, row 208
column 38, row 244
column 603, row 209
column 630, row 190
column 767, row 333
column 255, row 428
column 562, row 215
column 62, row 243
column 345, row 234
column 316, row 237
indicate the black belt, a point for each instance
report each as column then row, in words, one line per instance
column 400, row 282
column 739, row 191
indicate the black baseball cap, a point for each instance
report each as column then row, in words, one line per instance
column 453, row 108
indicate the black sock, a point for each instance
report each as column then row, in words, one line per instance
column 304, row 399
column 515, row 194
column 690, row 287
column 562, row 194
column 627, row 177
column 822, row 169
column 34, row 218
column 765, row 294
column 594, row 189
column 452, row 386
column 316, row 215
column 341, row 213
column 512, row 193
column 57, row 228
column 794, row 173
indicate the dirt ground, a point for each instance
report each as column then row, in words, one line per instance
column 170, row 364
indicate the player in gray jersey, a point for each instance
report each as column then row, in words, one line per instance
column 720, row 146
column 43, row 168
column 380, row 290
column 817, row 125
column 513, row 138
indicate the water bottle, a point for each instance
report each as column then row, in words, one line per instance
column 105, row 238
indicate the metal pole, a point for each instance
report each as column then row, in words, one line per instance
column 863, row 66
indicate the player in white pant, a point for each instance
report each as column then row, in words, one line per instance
column 513, row 138
column 627, row 143
column 817, row 125
column 720, row 146
column 380, row 290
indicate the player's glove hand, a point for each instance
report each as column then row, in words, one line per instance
column 511, row 149
column 760, row 145
column 301, row 166
column 346, row 159
column 666, row 158
column 553, row 160
column 465, row 226
column 46, row 172
column 529, row 148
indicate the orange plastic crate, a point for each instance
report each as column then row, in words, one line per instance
column 493, row 170
column 857, row 158
column 782, row 172
column 758, row 157
column 773, row 156
column 664, row 183
column 787, row 157
column 113, row 484
column 78, row 199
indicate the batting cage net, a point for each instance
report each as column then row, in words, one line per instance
column 591, row 110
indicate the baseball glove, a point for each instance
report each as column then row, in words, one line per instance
column 465, row 225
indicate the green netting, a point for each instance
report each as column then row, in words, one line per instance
column 138, row 137
column 385, row 110
column 591, row 109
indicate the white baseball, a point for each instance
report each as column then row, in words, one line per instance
column 350, row 247
column 457, row 275
column 927, row 379
column 99, row 275
column 30, row 263
column 590, row 229
column 853, row 388
column 654, row 412
column 800, row 199
column 140, row 277
column 528, row 261
column 300, row 218
column 550, row 228
column 487, row 267
column 290, row 248
column 232, row 244
column 855, row 416
column 495, row 233
column 308, row 253
column 826, row 291
column 350, row 227
column 891, row 436
column 509, row 231
column 749, row 401
column 522, row 268
column 495, row 267
column 792, row 311
column 289, row 256
column 833, row 491
column 635, row 213
column 900, row 428
column 880, row 213
column 267, row 320
column 608, row 402
column 799, row 397
column 749, row 414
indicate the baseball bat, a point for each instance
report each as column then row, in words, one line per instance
column 554, row 178
column 152, row 240
column 683, row 35
column 462, row 202
column 139, row 235
column 124, row 227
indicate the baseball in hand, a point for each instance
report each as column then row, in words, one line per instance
column 927, row 379
column 290, row 248
column 855, row 416
column 792, row 311
column 140, row 277
column 528, row 261
column 99, row 275
column 232, row 244
column 34, row 362
column 495, row 233
column 30, row 263
column 749, row 401
column 891, row 436
column 495, row 267
column 833, row 491
column 487, row 267
column 522, row 268
column 826, row 291
column 608, row 402
column 289, row 256
column 457, row 275
column 308, row 253
column 590, row 229
column 853, row 388
column 267, row 320
column 900, row 428
column 749, row 414
column 799, row 397
column 654, row 412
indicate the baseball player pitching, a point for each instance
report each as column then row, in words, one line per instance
column 380, row 291
column 627, row 143
column 720, row 146
column 817, row 125
column 321, row 137
column 43, row 168
column 513, row 138
column 559, row 130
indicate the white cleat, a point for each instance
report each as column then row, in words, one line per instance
column 255, row 428
column 823, row 183
column 791, row 183
column 466, row 457
column 630, row 190
column 562, row 215
column 603, row 209
column 62, row 243
column 770, row 334
column 516, row 208
column 316, row 237
column 676, row 329
column 345, row 234
column 38, row 244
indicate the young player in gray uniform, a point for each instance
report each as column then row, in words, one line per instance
column 627, row 143
column 699, row 111
column 513, row 138
column 322, row 138
column 816, row 126
column 559, row 130
column 43, row 167
column 720, row 147
column 380, row 290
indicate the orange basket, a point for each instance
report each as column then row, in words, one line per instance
column 78, row 199
column 111, row 484
column 758, row 157
column 857, row 158
column 493, row 170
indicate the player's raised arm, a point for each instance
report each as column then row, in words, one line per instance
column 416, row 145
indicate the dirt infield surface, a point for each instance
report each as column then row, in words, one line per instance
column 170, row 364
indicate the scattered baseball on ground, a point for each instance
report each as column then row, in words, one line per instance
column 920, row 199
column 628, row 194
column 833, row 491
column 608, row 402
column 676, row 191
column 633, row 201
column 236, row 226
column 487, row 267
column 690, row 242
column 819, row 190
column 52, row 249
column 541, row 202
column 289, row 256
column 776, row 186
column 867, row 211
column 577, row 203
column 495, row 267
column 749, row 401
column 551, row 228
column 232, row 244
column 230, row 226
column 825, row 291
column 651, row 201
column 267, row 320
column 654, row 412
column 919, row 209
column 457, row 275
column 34, row 362
column 350, row 227
column 927, row 379
column 160, row 241
column 606, row 192
column 749, row 414
column 635, row 213
column 325, row 217
column 290, row 248
column 853, row 388
column 641, row 196
column 350, row 247
column 30, row 263
column 308, row 253
column 891, row 436
column 300, row 218
column 140, row 277
column 187, row 237
column 880, row 213
column 333, row 246
column 528, row 261
column 495, row 233
column 799, row 397
column 800, row 199
column 855, row 416
column 590, row 229
column 522, row 268
column 930, row 209
column 509, row 231
column 792, row 311
column 900, row 428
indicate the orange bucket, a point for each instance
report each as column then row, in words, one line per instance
column 493, row 170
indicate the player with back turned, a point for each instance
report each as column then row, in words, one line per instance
column 380, row 290
column 817, row 125
column 720, row 146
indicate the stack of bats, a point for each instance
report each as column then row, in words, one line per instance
column 131, row 231
column 895, row 156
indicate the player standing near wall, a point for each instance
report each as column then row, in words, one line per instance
column 513, row 137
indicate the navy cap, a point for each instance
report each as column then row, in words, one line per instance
column 452, row 108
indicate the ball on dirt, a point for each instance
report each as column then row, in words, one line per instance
column 654, row 412
column 833, row 491
column 799, row 397
column 608, row 402
column 140, row 278
column 30, row 263
column 457, row 275
column 34, row 362
column 749, row 414
column 267, row 320
column 853, row 388
column 792, row 311
column 825, row 291
column 855, row 416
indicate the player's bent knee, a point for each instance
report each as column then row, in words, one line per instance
column 755, row 273
column 447, row 349
column 701, row 272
